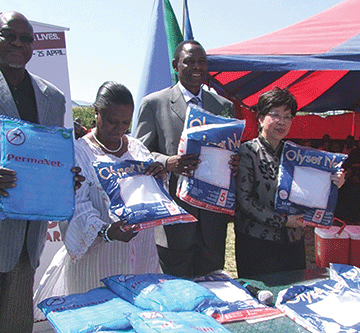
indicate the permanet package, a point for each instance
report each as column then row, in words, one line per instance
column 96, row 310
column 213, row 139
column 161, row 292
column 304, row 185
column 174, row 322
column 42, row 157
column 137, row 198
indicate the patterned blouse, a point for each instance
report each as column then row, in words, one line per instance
column 256, row 185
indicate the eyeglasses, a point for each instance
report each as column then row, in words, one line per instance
column 276, row 116
column 10, row 37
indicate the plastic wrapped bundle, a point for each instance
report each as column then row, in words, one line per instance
column 238, row 303
column 98, row 309
column 175, row 322
column 42, row 157
column 213, row 139
column 137, row 198
column 161, row 292
column 326, row 306
column 304, row 185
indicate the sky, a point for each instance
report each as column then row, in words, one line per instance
column 107, row 39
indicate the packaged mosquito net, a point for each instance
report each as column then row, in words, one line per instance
column 174, row 322
column 42, row 158
column 95, row 310
column 326, row 306
column 349, row 275
column 196, row 116
column 138, row 198
column 161, row 292
column 213, row 139
column 304, row 185
column 238, row 303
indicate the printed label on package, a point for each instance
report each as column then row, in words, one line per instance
column 325, row 306
column 304, row 184
column 213, row 139
column 138, row 198
column 42, row 157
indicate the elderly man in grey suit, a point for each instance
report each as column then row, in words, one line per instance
column 196, row 248
column 30, row 98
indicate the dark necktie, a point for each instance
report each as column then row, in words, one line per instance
column 195, row 100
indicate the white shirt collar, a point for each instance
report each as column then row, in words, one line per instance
column 189, row 95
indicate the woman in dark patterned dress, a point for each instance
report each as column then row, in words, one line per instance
column 267, row 242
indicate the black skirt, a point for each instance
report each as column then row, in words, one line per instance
column 256, row 256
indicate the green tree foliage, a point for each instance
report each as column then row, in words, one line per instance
column 86, row 114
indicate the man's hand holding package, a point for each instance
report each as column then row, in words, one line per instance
column 7, row 180
column 183, row 164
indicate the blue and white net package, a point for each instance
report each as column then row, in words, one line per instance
column 304, row 184
column 96, row 310
column 238, row 303
column 196, row 116
column 161, row 292
column 42, row 157
column 137, row 198
column 174, row 322
column 326, row 306
column 214, row 139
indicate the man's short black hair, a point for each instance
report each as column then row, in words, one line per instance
column 180, row 46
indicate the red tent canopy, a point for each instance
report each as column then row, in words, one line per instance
column 318, row 34
column 318, row 59
column 307, row 126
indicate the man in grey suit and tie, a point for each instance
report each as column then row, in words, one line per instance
column 30, row 98
column 196, row 248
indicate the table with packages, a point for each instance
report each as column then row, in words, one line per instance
column 276, row 282
column 106, row 300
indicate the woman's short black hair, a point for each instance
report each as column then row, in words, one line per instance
column 274, row 98
column 111, row 93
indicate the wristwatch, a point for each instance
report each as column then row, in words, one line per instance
column 104, row 233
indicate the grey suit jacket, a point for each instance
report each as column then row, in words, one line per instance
column 160, row 124
column 50, row 103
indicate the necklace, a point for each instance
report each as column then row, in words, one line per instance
column 103, row 146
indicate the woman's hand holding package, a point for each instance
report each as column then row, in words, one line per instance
column 234, row 163
column 157, row 170
column 117, row 232
column 338, row 178
column 295, row 221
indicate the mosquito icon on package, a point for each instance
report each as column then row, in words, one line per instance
column 214, row 139
column 138, row 198
column 304, row 184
